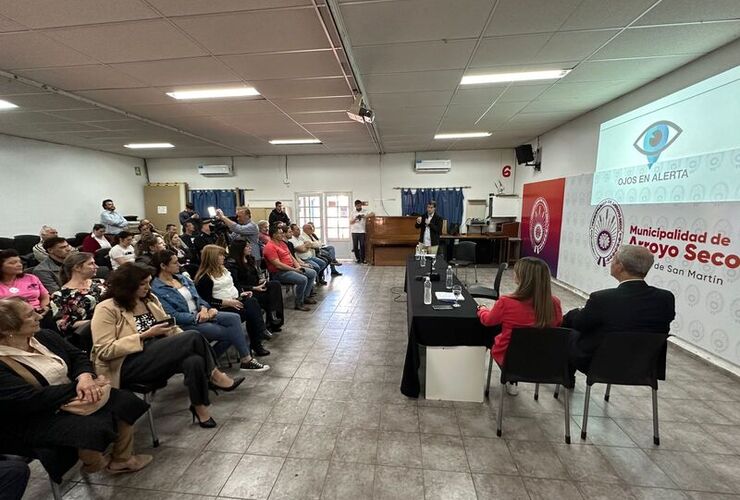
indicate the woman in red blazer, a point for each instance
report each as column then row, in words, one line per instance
column 531, row 305
column 95, row 240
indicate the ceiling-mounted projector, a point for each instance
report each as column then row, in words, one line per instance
column 359, row 112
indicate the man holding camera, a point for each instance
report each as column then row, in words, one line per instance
column 243, row 229
column 357, row 223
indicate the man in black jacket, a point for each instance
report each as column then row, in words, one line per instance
column 634, row 306
column 279, row 215
column 430, row 227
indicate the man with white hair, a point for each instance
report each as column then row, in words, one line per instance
column 633, row 306
column 46, row 233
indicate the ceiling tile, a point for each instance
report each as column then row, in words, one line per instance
column 231, row 107
column 670, row 40
column 349, row 127
column 10, row 118
column 513, row 49
column 572, row 45
column 419, row 56
column 125, row 97
column 322, row 117
column 594, row 14
column 48, row 13
column 47, row 102
column 429, row 98
column 179, row 72
column 414, row 20
column 319, row 87
column 565, row 90
column 639, row 69
column 684, row 11
column 412, row 81
column 118, row 124
column 254, row 67
column 9, row 25
column 32, row 50
column 81, row 77
column 86, row 114
column 560, row 105
column 477, row 95
column 12, row 87
column 66, row 127
column 258, row 31
column 132, row 41
column 514, row 17
column 190, row 7
column 314, row 104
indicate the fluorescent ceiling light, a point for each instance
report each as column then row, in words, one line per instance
column 214, row 93
column 295, row 141
column 464, row 135
column 552, row 74
column 7, row 105
column 149, row 145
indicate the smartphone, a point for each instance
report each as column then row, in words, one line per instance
column 441, row 307
column 212, row 211
column 167, row 321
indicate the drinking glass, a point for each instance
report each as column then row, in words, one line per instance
column 456, row 291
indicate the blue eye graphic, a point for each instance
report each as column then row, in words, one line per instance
column 656, row 138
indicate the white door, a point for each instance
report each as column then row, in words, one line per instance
column 329, row 212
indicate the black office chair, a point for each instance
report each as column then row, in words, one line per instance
column 80, row 237
column 7, row 243
column 484, row 292
column 23, row 243
column 628, row 359
column 147, row 392
column 101, row 257
column 464, row 256
column 539, row 356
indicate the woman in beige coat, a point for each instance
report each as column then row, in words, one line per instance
column 132, row 345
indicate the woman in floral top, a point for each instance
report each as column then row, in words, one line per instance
column 80, row 293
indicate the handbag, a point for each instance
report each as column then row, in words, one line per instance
column 77, row 406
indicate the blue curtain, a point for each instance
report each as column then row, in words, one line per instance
column 224, row 199
column 449, row 202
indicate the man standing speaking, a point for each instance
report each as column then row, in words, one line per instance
column 430, row 227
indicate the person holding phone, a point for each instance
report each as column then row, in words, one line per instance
column 131, row 343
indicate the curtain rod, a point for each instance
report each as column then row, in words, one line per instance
column 452, row 187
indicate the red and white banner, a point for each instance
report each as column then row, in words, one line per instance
column 542, row 211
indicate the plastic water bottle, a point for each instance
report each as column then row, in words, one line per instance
column 448, row 278
column 427, row 291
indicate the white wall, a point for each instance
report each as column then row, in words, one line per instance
column 368, row 177
column 571, row 148
column 63, row 186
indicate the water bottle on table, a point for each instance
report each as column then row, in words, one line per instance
column 448, row 278
column 427, row 291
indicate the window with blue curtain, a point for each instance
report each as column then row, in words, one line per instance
column 225, row 199
column 449, row 202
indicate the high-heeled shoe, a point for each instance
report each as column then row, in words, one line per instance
column 208, row 424
column 215, row 388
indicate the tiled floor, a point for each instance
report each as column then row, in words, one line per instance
column 328, row 421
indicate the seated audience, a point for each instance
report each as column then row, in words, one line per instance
column 204, row 237
column 216, row 285
column 287, row 270
column 531, row 305
column 634, row 306
column 188, row 215
column 326, row 252
column 42, row 377
column 75, row 301
column 243, row 229
column 113, row 221
column 188, row 235
column 180, row 300
column 39, row 253
column 148, row 245
column 304, row 252
column 279, row 215
column 132, row 344
column 146, row 229
column 248, row 278
column 15, row 283
column 95, row 240
column 48, row 271
column 123, row 251
column 173, row 242
column 170, row 228
column 264, row 236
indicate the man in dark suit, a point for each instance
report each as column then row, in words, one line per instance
column 430, row 227
column 634, row 306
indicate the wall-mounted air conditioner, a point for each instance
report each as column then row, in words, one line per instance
column 216, row 170
column 433, row 166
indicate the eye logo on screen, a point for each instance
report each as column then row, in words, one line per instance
column 539, row 224
column 656, row 138
column 606, row 231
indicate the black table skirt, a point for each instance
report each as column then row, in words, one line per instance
column 427, row 327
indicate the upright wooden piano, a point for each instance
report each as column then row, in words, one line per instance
column 389, row 240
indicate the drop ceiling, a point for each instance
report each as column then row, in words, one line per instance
column 114, row 60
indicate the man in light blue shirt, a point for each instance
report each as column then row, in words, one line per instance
column 113, row 221
column 244, row 229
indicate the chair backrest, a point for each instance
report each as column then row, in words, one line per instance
column 24, row 243
column 7, row 243
column 465, row 250
column 101, row 257
column 538, row 355
column 499, row 274
column 629, row 358
column 80, row 237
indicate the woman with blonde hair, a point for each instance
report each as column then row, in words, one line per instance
column 531, row 305
column 216, row 286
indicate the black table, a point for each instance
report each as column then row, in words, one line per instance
column 427, row 327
